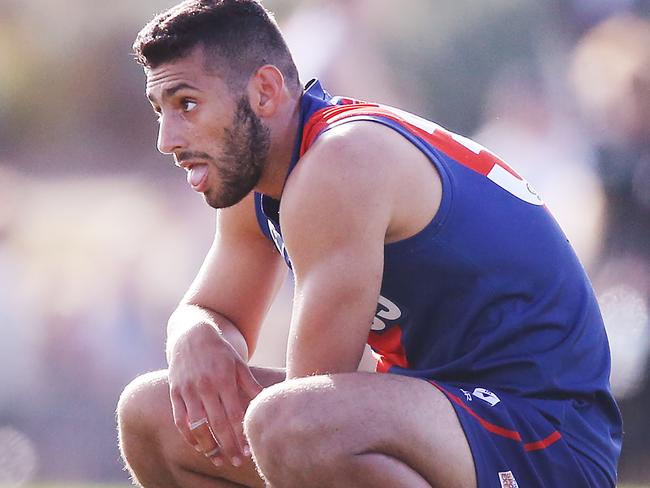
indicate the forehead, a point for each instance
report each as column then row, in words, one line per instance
column 188, row 71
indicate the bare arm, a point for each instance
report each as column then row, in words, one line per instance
column 335, row 218
column 360, row 186
column 236, row 283
column 215, row 328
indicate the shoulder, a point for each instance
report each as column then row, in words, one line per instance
column 365, row 170
column 338, row 196
column 346, row 166
column 368, row 143
column 352, row 157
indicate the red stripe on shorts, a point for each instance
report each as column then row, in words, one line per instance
column 501, row 431
column 544, row 443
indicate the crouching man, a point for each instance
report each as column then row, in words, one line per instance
column 492, row 358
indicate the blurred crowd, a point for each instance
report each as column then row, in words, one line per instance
column 99, row 235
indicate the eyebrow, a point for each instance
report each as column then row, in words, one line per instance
column 171, row 91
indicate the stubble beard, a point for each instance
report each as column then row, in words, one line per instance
column 243, row 159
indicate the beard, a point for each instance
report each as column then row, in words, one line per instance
column 244, row 156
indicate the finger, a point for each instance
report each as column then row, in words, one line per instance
column 247, row 381
column 181, row 421
column 201, row 430
column 234, row 408
column 198, row 424
column 222, row 430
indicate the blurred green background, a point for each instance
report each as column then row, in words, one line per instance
column 99, row 235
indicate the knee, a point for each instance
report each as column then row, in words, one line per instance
column 285, row 426
column 141, row 406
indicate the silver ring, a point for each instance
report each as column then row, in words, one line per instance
column 198, row 423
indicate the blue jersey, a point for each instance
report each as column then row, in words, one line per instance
column 490, row 292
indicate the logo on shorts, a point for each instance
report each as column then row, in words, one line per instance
column 486, row 396
column 507, row 480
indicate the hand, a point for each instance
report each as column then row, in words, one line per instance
column 210, row 388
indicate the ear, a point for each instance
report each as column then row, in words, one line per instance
column 266, row 90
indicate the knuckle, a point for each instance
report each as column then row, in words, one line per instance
column 204, row 384
column 182, row 390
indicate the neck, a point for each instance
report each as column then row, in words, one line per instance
column 284, row 131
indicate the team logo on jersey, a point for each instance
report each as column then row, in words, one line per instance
column 486, row 395
column 387, row 313
column 507, row 479
column 514, row 185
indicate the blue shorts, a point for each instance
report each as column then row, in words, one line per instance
column 514, row 445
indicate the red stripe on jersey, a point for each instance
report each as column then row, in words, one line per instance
column 482, row 163
column 447, row 142
column 325, row 117
column 387, row 349
column 501, row 431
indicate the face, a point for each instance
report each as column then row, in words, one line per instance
column 212, row 133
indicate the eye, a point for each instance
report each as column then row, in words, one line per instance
column 188, row 105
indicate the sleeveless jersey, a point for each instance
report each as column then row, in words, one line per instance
column 490, row 292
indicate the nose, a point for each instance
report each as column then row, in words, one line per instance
column 169, row 135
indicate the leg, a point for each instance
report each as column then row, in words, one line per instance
column 153, row 449
column 358, row 430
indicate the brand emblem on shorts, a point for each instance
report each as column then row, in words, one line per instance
column 486, row 396
column 507, row 480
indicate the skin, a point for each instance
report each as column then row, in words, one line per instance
column 382, row 189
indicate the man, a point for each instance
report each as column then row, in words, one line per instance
column 399, row 233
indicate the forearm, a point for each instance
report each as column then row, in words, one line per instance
column 187, row 316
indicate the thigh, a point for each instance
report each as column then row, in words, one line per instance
column 363, row 413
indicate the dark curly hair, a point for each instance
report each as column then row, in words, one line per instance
column 238, row 37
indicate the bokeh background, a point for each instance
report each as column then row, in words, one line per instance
column 100, row 236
